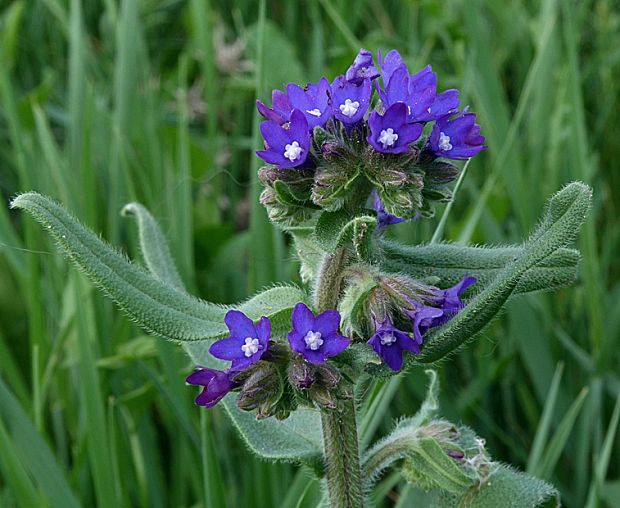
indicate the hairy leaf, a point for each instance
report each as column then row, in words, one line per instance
column 504, row 487
column 156, row 306
column 560, row 225
column 154, row 246
column 451, row 262
column 335, row 229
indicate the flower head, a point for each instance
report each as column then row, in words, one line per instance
column 316, row 338
column 287, row 146
column 216, row 384
column 312, row 101
column 458, row 137
column 350, row 101
column 390, row 343
column 280, row 111
column 391, row 133
column 362, row 68
column 247, row 342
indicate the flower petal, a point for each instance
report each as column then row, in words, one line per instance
column 239, row 324
column 227, row 349
column 302, row 318
column 334, row 345
column 327, row 322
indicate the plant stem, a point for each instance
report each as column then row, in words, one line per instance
column 342, row 456
column 340, row 436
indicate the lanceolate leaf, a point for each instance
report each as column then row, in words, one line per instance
column 159, row 308
column 451, row 262
column 335, row 229
column 155, row 305
column 154, row 246
column 559, row 227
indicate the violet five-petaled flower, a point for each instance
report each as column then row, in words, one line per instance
column 312, row 101
column 350, row 101
column 287, row 145
column 247, row 342
column 316, row 338
column 217, row 384
column 458, row 137
column 389, row 343
column 391, row 133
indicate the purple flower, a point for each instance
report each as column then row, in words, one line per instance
column 417, row 91
column 445, row 103
column 456, row 138
column 247, row 342
column 424, row 317
column 312, row 101
column 216, row 384
column 391, row 133
column 392, row 61
column 390, row 342
column 280, row 111
column 384, row 219
column 363, row 68
column 316, row 338
column 447, row 302
column 349, row 101
column 451, row 298
column 286, row 146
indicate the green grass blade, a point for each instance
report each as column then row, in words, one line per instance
column 540, row 440
column 35, row 453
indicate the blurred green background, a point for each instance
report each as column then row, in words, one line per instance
column 102, row 103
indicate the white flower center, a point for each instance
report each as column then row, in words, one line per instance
column 250, row 347
column 293, row 151
column 349, row 108
column 388, row 137
column 387, row 339
column 314, row 112
column 444, row 142
column 313, row 340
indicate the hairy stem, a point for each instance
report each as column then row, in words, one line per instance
column 340, row 437
column 342, row 456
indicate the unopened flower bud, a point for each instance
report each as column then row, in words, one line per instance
column 323, row 397
column 263, row 386
column 328, row 375
column 301, row 374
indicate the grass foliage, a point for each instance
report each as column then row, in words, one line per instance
column 106, row 103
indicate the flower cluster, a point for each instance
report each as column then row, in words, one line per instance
column 261, row 366
column 257, row 360
column 343, row 136
column 375, row 137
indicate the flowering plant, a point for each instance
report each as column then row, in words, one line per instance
column 346, row 160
